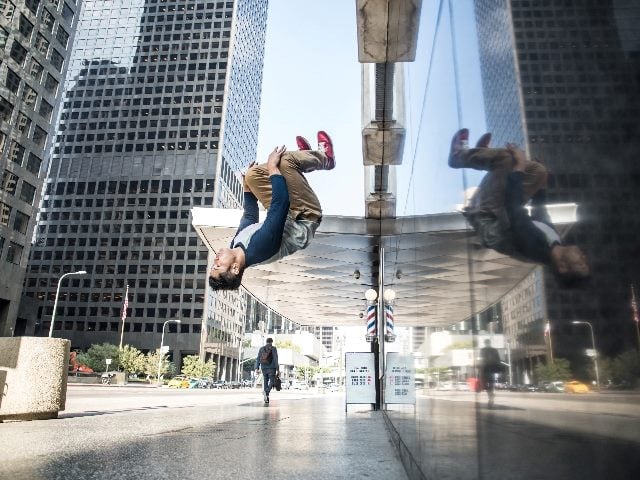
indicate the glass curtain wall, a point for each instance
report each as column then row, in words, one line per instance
column 561, row 80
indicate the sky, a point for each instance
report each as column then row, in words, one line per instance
column 312, row 81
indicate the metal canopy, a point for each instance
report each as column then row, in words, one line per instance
column 428, row 263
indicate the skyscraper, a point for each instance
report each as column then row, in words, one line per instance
column 161, row 101
column 563, row 78
column 35, row 41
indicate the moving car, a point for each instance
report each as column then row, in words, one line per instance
column 576, row 387
column 178, row 382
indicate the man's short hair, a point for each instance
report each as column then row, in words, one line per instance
column 269, row 340
column 226, row 281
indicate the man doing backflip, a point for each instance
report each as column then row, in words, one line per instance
column 497, row 209
column 293, row 211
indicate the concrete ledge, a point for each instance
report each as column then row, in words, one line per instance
column 33, row 377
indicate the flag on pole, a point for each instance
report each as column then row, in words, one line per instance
column 123, row 314
column 125, row 305
column 634, row 306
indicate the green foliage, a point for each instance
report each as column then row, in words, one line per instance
column 288, row 344
column 306, row 372
column 192, row 366
column 131, row 360
column 151, row 365
column 625, row 368
column 558, row 370
column 460, row 346
column 96, row 355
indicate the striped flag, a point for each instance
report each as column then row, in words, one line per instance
column 634, row 306
column 125, row 305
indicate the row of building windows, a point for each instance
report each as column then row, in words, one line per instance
column 119, row 202
column 119, row 255
column 177, row 6
column 140, row 147
column 176, row 283
column 13, row 251
column 107, row 297
column 116, row 229
column 187, row 80
column 110, row 284
column 112, row 270
column 132, row 187
column 9, row 185
column 147, row 327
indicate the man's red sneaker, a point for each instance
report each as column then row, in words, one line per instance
column 484, row 141
column 325, row 145
column 303, row 143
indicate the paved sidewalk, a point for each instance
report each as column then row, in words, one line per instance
column 124, row 433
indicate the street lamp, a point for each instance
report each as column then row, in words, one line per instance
column 162, row 346
column 595, row 352
column 55, row 304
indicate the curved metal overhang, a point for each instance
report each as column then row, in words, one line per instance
column 428, row 263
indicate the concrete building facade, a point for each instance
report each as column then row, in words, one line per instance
column 35, row 43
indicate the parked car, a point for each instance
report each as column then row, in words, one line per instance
column 219, row 384
column 553, row 387
column 575, row 386
column 233, row 385
column 179, row 381
column 195, row 383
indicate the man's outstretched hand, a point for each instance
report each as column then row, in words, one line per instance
column 273, row 162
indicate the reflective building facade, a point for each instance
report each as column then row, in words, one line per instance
column 156, row 91
column 35, row 43
column 575, row 69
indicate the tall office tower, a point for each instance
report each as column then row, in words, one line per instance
column 35, row 41
column 155, row 91
column 566, row 74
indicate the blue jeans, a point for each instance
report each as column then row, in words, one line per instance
column 529, row 240
column 268, row 377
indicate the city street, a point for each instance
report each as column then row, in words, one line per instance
column 122, row 432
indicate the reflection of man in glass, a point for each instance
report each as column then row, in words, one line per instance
column 489, row 367
column 497, row 209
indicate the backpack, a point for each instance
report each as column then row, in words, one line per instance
column 266, row 355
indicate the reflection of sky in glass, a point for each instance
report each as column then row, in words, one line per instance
column 426, row 184
column 105, row 33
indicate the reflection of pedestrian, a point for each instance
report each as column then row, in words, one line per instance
column 267, row 361
column 293, row 211
column 497, row 210
column 489, row 366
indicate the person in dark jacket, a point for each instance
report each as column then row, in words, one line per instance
column 293, row 211
column 267, row 361
column 497, row 211
column 489, row 366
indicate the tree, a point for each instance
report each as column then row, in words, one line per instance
column 151, row 364
column 192, row 366
column 558, row 370
column 97, row 354
column 288, row 344
column 131, row 360
column 623, row 369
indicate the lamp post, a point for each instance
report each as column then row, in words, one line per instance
column 162, row 346
column 595, row 352
column 55, row 303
